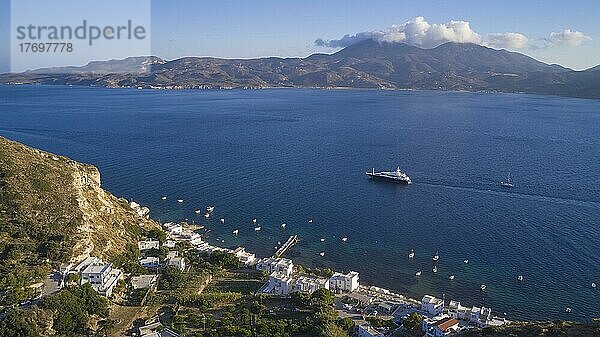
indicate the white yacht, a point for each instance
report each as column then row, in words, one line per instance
column 222, row 220
column 418, row 273
column 411, row 254
column 451, row 277
column 435, row 269
column 344, row 239
column 466, row 261
column 235, row 232
column 180, row 200
column 257, row 228
column 520, row 278
column 436, row 256
column 482, row 287
column 322, row 253
column 283, row 225
column 164, row 197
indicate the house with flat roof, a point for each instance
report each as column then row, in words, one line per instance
column 177, row 262
column 480, row 317
column 344, row 282
column 272, row 264
column 246, row 258
column 309, row 284
column 432, row 305
column 148, row 244
column 101, row 276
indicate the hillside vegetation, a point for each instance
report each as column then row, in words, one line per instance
column 53, row 211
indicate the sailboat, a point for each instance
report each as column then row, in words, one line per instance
column 507, row 183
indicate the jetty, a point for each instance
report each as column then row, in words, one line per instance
column 291, row 241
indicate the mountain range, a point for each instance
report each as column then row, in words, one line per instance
column 367, row 64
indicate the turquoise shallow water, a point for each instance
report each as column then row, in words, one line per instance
column 293, row 155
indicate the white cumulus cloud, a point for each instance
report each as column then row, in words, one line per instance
column 417, row 32
column 568, row 38
column 507, row 40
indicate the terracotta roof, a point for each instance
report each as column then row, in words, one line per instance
column 446, row 323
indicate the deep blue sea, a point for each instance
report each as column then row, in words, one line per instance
column 288, row 155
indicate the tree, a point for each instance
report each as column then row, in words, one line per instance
column 413, row 322
column 323, row 297
column 346, row 323
column 17, row 323
column 157, row 234
column 171, row 278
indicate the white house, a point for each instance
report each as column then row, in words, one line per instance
column 178, row 262
column 365, row 330
column 148, row 244
column 480, row 316
column 150, row 262
column 344, row 283
column 101, row 276
column 169, row 244
column 455, row 310
column 248, row 259
column 173, row 228
column 309, row 284
column 271, row 265
column 432, row 305
column 444, row 327
column 279, row 284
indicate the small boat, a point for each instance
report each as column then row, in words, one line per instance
column 322, row 253
column 222, row 220
column 279, row 243
column 223, row 240
column 567, row 309
column 520, row 278
column 507, row 183
column 257, row 228
column 322, row 239
column 451, row 277
column 254, row 220
column 310, row 221
column 344, row 239
column 180, row 200
column 198, row 211
column 207, row 215
column 209, row 209
column 411, row 254
column 435, row 269
column 593, row 285
column 283, row 225
column 418, row 273
column 164, row 197
column 235, row 232
column 436, row 256
column 482, row 287
column 466, row 261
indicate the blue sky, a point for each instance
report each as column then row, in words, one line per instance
column 243, row 29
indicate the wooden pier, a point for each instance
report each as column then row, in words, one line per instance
column 291, row 241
